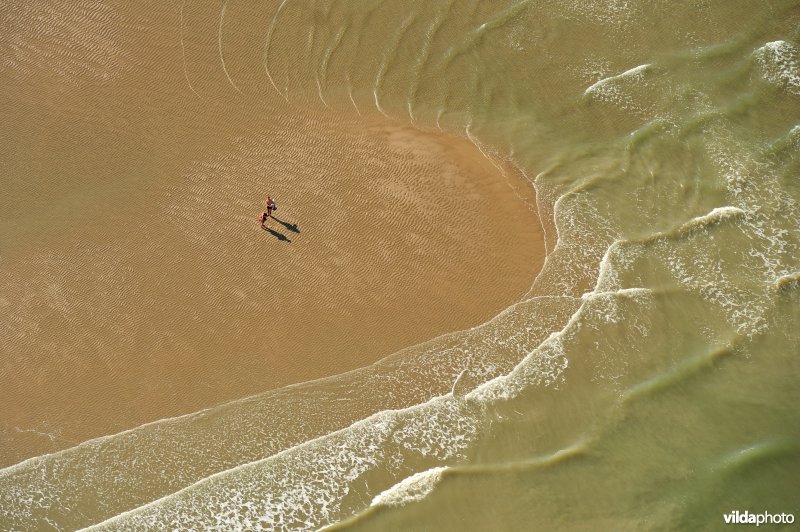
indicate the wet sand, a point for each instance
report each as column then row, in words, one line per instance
column 139, row 140
column 136, row 283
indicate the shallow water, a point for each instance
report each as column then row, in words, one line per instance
column 647, row 381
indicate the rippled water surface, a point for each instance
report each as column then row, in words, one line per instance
column 647, row 380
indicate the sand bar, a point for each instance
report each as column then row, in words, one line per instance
column 136, row 283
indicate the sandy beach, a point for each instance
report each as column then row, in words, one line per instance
column 137, row 284
column 534, row 265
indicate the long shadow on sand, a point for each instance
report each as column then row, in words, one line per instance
column 278, row 235
column 291, row 227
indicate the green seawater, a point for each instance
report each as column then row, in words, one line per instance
column 648, row 381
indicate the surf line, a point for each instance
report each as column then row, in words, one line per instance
column 183, row 54
column 266, row 50
column 219, row 42
column 388, row 58
column 350, row 92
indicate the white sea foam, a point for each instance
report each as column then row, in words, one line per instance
column 414, row 488
column 543, row 366
column 765, row 215
column 606, row 86
column 780, row 64
column 716, row 214
column 487, row 351
column 704, row 221
column 305, row 485
column 512, row 330
column 607, row 278
column 282, row 490
column 786, row 282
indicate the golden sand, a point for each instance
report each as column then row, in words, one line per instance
column 137, row 284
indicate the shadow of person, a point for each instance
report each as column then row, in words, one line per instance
column 291, row 227
column 276, row 234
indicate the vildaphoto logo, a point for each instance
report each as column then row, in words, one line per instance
column 764, row 518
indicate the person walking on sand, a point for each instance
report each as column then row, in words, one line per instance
column 271, row 206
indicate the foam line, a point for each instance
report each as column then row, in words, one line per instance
column 219, row 42
column 413, row 488
column 321, row 97
column 423, row 58
column 350, row 93
column 474, row 37
column 635, row 71
column 266, row 49
column 337, row 41
column 388, row 59
column 788, row 281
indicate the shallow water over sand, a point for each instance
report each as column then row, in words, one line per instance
column 646, row 380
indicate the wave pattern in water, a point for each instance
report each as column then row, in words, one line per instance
column 672, row 220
